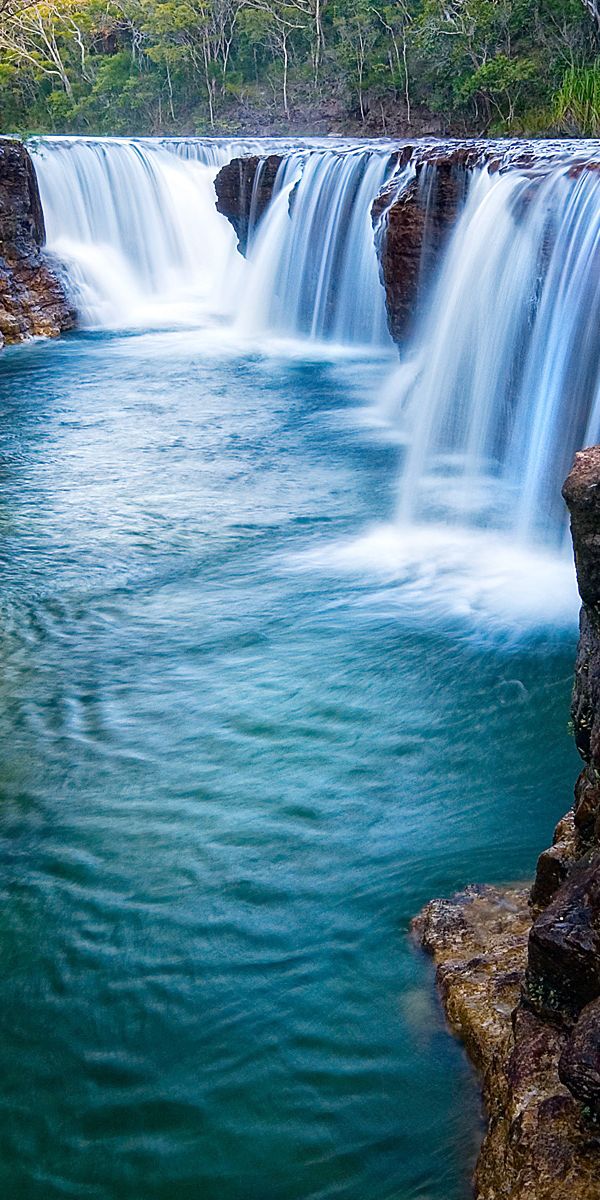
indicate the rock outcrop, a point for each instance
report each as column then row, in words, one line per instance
column 519, row 971
column 32, row 298
column 412, row 226
column 244, row 190
column 413, row 218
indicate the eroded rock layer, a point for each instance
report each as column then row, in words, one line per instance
column 416, row 209
column 32, row 298
column 519, row 971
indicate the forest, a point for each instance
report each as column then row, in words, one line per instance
column 260, row 66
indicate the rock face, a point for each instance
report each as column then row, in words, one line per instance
column 412, row 226
column 579, row 1065
column 519, row 972
column 539, row 1144
column 32, row 298
column 244, row 190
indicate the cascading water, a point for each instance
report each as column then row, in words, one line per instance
column 313, row 268
column 135, row 222
column 503, row 382
column 136, row 225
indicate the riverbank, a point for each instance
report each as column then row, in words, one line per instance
column 518, row 970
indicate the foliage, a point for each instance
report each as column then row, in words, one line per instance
column 150, row 66
column 578, row 100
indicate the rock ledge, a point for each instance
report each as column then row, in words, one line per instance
column 539, row 1145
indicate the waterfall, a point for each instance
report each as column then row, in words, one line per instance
column 502, row 383
column 313, row 266
column 135, row 222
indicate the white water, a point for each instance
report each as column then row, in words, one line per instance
column 135, row 222
column 137, row 227
column 502, row 384
column 312, row 267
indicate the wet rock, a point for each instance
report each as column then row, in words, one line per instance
column 244, row 190
column 538, row 1145
column 412, row 226
column 581, row 491
column 554, row 864
column 586, row 815
column 33, row 300
column 478, row 940
column 563, row 971
column 579, row 1066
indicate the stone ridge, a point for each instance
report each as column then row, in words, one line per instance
column 32, row 298
column 519, row 970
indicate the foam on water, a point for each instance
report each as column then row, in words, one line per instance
column 445, row 577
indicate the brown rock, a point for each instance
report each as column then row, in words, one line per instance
column 412, row 226
column 563, row 971
column 587, row 806
column 32, row 298
column 554, row 864
column 244, row 190
column 579, row 1066
column 582, row 494
column 538, row 1145
column 478, row 940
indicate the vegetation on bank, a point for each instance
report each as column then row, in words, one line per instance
column 185, row 66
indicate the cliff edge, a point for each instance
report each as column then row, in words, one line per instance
column 519, row 969
column 32, row 298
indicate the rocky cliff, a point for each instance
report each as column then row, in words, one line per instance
column 519, row 969
column 32, row 297
column 411, row 220
column 412, row 216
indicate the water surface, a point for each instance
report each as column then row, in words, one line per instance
column 231, row 773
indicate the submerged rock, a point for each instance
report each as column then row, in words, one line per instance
column 32, row 298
